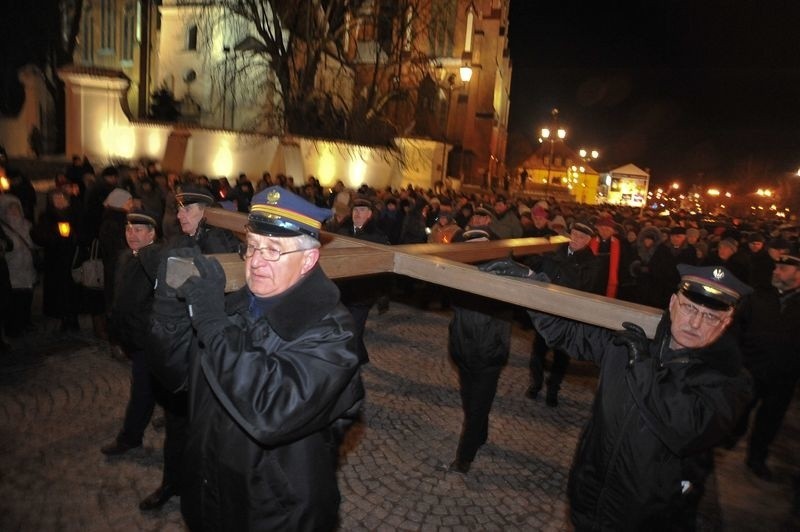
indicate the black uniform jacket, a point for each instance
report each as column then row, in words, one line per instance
column 648, row 418
column 770, row 341
column 267, row 399
column 133, row 297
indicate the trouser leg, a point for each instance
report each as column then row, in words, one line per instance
column 141, row 401
column 558, row 369
column 360, row 314
column 538, row 353
column 769, row 417
column 478, row 390
column 176, row 426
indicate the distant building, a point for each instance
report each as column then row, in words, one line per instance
column 557, row 170
column 626, row 185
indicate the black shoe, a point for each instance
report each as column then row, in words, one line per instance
column 533, row 391
column 456, row 466
column 759, row 469
column 158, row 498
column 552, row 398
column 117, row 448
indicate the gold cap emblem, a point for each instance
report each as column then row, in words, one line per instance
column 273, row 197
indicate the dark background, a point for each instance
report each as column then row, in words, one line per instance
column 703, row 91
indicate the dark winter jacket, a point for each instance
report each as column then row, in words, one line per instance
column 362, row 290
column 129, row 323
column 650, row 418
column 581, row 270
column 267, row 401
column 768, row 323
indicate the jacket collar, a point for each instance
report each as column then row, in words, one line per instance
column 306, row 303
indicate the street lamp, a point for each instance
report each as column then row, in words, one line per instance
column 551, row 135
column 465, row 73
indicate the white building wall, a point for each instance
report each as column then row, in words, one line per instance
column 98, row 128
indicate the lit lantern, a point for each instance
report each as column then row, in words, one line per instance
column 64, row 229
column 4, row 184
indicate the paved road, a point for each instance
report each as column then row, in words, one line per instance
column 63, row 396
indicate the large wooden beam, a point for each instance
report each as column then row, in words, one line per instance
column 442, row 264
column 546, row 297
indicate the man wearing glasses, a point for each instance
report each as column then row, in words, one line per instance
column 272, row 376
column 660, row 407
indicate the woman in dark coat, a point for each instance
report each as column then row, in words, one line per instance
column 56, row 232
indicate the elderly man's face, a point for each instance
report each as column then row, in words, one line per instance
column 267, row 278
column 578, row 240
column 189, row 217
column 695, row 326
column 361, row 215
column 785, row 277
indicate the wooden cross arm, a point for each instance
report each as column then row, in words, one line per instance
column 441, row 264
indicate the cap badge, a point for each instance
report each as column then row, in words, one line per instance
column 273, row 197
column 718, row 274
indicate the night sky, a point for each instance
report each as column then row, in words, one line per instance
column 698, row 91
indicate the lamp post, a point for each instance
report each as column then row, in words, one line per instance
column 451, row 81
column 548, row 134
column 465, row 73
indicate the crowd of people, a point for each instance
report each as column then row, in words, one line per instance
column 728, row 287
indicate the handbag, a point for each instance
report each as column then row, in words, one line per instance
column 89, row 273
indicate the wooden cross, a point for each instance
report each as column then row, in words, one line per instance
column 447, row 265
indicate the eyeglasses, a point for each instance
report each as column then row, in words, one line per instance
column 271, row 254
column 692, row 311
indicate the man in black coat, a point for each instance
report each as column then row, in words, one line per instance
column 479, row 343
column 272, row 374
column 771, row 349
column 573, row 265
column 360, row 294
column 661, row 405
column 129, row 324
column 192, row 202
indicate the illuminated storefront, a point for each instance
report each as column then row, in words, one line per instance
column 626, row 185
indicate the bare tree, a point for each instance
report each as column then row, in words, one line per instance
column 336, row 69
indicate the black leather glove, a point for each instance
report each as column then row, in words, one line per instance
column 507, row 267
column 633, row 337
column 165, row 298
column 206, row 297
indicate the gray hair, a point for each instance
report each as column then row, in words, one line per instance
column 306, row 242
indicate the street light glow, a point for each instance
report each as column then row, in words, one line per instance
column 545, row 133
column 562, row 133
column 466, row 73
column 713, row 192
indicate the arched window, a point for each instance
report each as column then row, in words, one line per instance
column 87, row 35
column 470, row 30
column 191, row 37
column 129, row 22
column 108, row 28
column 409, row 34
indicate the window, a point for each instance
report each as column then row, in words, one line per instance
column 87, row 35
column 191, row 37
column 409, row 34
column 107, row 24
column 470, row 29
column 129, row 20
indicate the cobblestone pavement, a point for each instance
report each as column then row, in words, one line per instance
column 63, row 396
